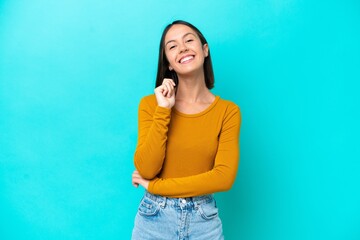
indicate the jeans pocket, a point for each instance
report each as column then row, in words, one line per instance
column 148, row 207
column 208, row 210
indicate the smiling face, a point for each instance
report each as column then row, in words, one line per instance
column 184, row 50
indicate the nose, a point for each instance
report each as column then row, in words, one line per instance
column 183, row 48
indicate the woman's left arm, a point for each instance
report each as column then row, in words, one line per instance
column 220, row 178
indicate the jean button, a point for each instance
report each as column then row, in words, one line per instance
column 183, row 201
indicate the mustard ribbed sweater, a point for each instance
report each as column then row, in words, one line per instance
column 186, row 155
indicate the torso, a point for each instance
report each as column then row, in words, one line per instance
column 192, row 138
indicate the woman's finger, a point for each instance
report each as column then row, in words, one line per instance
column 172, row 87
column 166, row 89
column 169, row 88
column 135, row 178
column 169, row 80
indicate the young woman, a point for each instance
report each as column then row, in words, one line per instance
column 188, row 143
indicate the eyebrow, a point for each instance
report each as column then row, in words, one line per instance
column 182, row 37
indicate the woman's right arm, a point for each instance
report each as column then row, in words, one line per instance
column 153, row 123
column 152, row 136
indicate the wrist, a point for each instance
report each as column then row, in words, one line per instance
column 164, row 106
column 151, row 186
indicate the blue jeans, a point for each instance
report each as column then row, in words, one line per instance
column 177, row 218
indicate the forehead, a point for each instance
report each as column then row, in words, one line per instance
column 178, row 31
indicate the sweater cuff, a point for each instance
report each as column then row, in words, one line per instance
column 151, row 186
column 162, row 110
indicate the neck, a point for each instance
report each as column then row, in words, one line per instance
column 193, row 89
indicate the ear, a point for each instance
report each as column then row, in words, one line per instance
column 206, row 49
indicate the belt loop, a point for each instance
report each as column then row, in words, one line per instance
column 163, row 202
column 196, row 205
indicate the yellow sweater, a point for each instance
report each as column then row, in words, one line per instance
column 186, row 155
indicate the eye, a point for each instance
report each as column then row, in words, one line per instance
column 190, row 40
column 172, row 47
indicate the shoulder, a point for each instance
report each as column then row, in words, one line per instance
column 231, row 111
column 148, row 102
column 228, row 105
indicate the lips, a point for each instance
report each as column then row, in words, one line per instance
column 186, row 58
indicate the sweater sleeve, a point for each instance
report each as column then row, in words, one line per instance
column 218, row 179
column 152, row 136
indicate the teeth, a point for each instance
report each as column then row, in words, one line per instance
column 186, row 59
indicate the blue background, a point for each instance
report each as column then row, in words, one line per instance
column 71, row 77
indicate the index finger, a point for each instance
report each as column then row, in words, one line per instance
column 169, row 80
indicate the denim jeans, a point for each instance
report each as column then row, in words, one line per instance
column 163, row 218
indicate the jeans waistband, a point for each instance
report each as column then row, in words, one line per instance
column 198, row 200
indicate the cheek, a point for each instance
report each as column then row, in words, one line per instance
column 170, row 57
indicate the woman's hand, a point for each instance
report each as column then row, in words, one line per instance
column 137, row 179
column 165, row 93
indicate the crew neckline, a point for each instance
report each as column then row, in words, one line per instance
column 211, row 106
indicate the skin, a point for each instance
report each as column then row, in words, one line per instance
column 186, row 54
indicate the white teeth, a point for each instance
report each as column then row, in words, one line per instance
column 186, row 59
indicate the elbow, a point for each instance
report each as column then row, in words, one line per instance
column 146, row 174
column 224, row 179
column 226, row 183
column 145, row 170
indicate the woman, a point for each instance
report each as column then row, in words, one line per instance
column 188, row 143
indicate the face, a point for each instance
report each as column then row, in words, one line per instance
column 183, row 50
